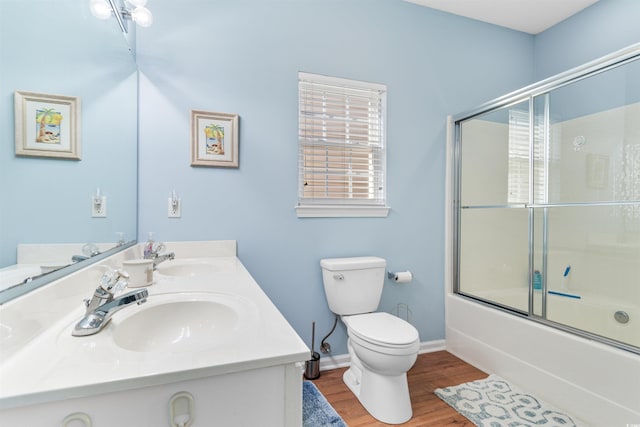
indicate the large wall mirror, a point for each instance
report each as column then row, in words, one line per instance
column 47, row 225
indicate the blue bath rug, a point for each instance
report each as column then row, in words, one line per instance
column 316, row 411
column 494, row 402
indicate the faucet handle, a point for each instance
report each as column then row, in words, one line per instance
column 158, row 247
column 90, row 250
column 110, row 281
column 119, row 286
column 152, row 249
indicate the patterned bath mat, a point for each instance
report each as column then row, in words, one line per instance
column 494, row 402
column 316, row 411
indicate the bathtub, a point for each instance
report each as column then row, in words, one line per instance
column 596, row 382
column 589, row 312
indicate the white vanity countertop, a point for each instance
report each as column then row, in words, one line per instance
column 17, row 273
column 56, row 365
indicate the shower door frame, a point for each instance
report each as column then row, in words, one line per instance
column 529, row 94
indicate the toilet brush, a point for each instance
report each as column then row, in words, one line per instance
column 312, row 366
column 313, row 338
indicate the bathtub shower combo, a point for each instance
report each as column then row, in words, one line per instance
column 546, row 202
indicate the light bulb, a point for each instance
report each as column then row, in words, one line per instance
column 100, row 9
column 137, row 3
column 142, row 16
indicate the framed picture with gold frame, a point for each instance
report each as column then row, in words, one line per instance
column 214, row 139
column 47, row 125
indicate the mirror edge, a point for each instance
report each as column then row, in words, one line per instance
column 22, row 289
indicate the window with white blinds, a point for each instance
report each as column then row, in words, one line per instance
column 519, row 155
column 341, row 147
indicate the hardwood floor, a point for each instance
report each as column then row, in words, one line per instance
column 431, row 371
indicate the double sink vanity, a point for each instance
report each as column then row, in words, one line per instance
column 206, row 330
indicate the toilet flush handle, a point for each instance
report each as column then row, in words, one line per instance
column 338, row 276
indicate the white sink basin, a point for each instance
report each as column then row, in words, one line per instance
column 191, row 268
column 184, row 322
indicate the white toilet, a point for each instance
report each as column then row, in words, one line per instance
column 382, row 347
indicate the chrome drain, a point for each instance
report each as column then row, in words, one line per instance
column 621, row 316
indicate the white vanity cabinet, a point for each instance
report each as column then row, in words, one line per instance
column 267, row 397
column 243, row 368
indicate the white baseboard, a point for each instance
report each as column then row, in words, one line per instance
column 431, row 346
column 328, row 362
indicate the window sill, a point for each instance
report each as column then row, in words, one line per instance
column 339, row 211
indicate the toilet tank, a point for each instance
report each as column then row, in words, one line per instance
column 353, row 285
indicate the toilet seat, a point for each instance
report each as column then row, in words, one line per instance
column 382, row 330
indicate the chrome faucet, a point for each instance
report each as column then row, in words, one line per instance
column 89, row 250
column 152, row 251
column 161, row 258
column 103, row 305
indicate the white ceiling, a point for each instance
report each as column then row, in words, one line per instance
column 529, row 16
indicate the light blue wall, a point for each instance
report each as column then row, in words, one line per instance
column 64, row 50
column 605, row 27
column 598, row 30
column 242, row 56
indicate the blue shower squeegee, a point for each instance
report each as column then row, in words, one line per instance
column 562, row 294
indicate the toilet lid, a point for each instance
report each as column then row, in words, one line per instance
column 383, row 328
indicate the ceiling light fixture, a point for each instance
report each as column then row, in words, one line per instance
column 134, row 10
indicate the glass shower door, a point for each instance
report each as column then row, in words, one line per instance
column 493, row 220
column 547, row 204
column 589, row 210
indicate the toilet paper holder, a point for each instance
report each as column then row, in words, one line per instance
column 400, row 276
